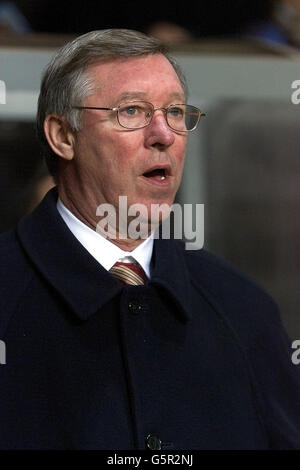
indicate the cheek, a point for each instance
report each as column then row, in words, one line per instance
column 123, row 150
column 180, row 151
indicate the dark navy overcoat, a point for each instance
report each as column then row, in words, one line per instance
column 197, row 358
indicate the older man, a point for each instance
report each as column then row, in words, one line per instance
column 114, row 342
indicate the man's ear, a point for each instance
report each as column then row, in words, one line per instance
column 59, row 136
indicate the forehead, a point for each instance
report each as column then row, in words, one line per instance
column 137, row 77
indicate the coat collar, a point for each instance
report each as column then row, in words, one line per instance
column 84, row 284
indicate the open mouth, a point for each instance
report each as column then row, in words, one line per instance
column 158, row 174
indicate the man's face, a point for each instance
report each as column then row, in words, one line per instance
column 111, row 161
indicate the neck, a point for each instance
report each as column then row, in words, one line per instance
column 85, row 211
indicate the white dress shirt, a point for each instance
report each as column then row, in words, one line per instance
column 104, row 251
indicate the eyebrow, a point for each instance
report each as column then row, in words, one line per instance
column 140, row 94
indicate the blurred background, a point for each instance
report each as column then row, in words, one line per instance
column 240, row 59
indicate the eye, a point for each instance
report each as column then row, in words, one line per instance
column 130, row 110
column 176, row 112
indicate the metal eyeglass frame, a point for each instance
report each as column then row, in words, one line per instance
column 165, row 110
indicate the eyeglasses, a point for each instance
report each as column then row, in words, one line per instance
column 138, row 114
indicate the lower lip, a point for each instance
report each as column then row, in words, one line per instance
column 162, row 183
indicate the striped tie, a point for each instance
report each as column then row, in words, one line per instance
column 129, row 273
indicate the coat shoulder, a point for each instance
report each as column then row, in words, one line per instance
column 241, row 298
column 219, row 273
column 15, row 276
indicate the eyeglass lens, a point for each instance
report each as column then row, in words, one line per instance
column 138, row 114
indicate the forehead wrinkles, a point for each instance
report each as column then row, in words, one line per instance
column 138, row 74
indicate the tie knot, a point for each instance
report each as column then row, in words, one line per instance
column 129, row 273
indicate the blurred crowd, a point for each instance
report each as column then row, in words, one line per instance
column 24, row 182
column 172, row 21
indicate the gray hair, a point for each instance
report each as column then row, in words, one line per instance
column 65, row 82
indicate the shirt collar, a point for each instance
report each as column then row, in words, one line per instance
column 80, row 280
column 105, row 252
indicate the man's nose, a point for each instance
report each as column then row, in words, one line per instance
column 158, row 133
